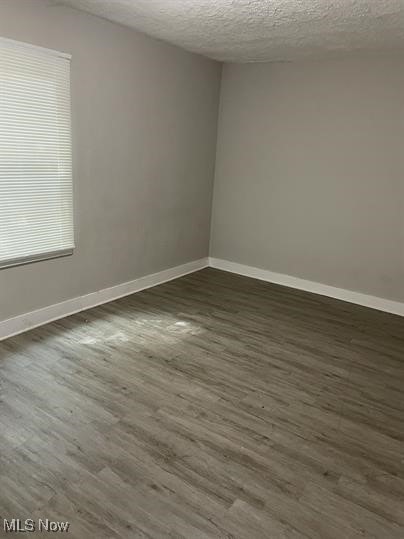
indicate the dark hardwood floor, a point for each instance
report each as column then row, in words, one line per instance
column 213, row 406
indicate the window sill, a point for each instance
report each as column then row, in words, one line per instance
column 36, row 258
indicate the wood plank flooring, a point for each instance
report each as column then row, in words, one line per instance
column 213, row 406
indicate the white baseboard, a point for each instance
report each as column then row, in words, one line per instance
column 25, row 322
column 373, row 302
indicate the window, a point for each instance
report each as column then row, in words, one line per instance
column 36, row 201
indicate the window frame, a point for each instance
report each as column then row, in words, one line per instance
column 62, row 252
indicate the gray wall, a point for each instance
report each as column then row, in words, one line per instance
column 144, row 139
column 310, row 172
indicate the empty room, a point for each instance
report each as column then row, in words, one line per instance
column 202, row 269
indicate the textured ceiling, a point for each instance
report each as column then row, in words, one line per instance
column 261, row 30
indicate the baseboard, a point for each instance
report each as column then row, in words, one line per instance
column 25, row 322
column 393, row 307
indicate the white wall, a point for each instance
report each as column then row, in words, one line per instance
column 144, row 139
column 310, row 172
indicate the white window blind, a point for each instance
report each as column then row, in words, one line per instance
column 36, row 202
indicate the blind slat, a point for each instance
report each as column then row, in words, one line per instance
column 36, row 203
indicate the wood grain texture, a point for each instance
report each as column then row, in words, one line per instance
column 213, row 406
